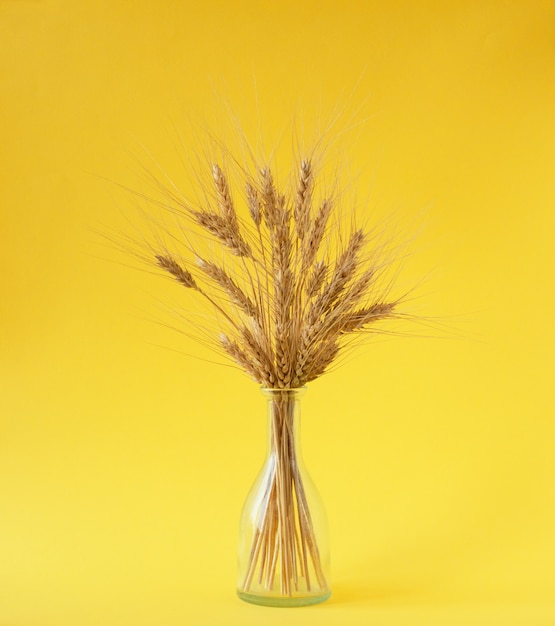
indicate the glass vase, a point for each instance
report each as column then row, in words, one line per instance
column 283, row 538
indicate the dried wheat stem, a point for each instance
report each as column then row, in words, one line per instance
column 275, row 553
column 255, row 209
column 182, row 275
column 269, row 199
column 283, row 290
column 230, row 287
column 228, row 233
column 303, row 528
column 315, row 235
column 357, row 320
column 317, row 366
column 256, row 342
column 268, row 535
column 225, row 202
column 344, row 270
column 229, row 215
column 316, row 279
column 303, row 199
column 242, row 359
column 255, row 550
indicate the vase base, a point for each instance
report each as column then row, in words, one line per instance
column 283, row 601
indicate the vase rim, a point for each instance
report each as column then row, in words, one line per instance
column 277, row 390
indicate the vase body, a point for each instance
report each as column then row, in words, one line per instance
column 283, row 537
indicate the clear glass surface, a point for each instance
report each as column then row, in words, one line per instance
column 283, row 538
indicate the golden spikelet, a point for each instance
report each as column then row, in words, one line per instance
column 253, row 201
column 234, row 292
column 316, row 234
column 316, row 279
column 182, row 275
column 302, row 200
column 224, row 230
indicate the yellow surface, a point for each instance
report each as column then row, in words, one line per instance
column 123, row 465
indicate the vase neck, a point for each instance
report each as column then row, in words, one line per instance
column 284, row 421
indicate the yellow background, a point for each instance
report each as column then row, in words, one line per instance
column 123, row 465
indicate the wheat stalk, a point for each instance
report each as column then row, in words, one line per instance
column 285, row 308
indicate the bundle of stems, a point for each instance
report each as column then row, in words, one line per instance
column 290, row 295
column 284, row 527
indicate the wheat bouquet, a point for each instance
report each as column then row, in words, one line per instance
column 290, row 288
